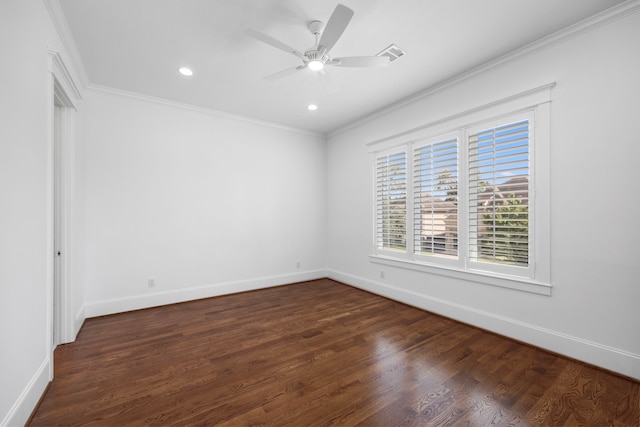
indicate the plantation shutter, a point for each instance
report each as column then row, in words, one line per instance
column 391, row 201
column 499, row 177
column 435, row 198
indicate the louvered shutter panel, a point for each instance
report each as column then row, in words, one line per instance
column 435, row 198
column 499, row 194
column 391, row 201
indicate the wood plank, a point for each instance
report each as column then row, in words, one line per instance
column 318, row 353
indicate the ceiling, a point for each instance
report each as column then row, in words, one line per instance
column 138, row 45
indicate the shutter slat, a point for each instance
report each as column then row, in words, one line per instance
column 391, row 194
column 498, row 215
column 435, row 179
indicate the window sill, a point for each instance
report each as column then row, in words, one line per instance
column 493, row 279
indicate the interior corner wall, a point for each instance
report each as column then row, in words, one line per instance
column 183, row 204
column 592, row 314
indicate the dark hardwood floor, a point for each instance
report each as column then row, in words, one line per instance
column 318, row 353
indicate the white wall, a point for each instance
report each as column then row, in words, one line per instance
column 203, row 203
column 26, row 34
column 593, row 313
column 159, row 195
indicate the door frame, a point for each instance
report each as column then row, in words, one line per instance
column 63, row 96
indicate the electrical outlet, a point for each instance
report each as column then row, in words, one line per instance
column 382, row 274
column 298, row 264
column 151, row 283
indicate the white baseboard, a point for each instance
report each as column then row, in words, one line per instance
column 613, row 359
column 79, row 321
column 21, row 410
column 119, row 305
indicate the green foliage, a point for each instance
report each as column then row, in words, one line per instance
column 449, row 184
column 398, row 225
column 506, row 235
column 394, row 222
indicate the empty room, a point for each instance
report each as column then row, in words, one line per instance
column 297, row 212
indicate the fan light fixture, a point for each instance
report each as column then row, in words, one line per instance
column 187, row 72
column 315, row 65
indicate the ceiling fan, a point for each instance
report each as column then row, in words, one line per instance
column 317, row 56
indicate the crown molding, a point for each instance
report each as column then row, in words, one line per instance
column 64, row 79
column 68, row 43
column 589, row 24
column 203, row 110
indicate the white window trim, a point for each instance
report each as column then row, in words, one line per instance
column 536, row 101
column 484, row 277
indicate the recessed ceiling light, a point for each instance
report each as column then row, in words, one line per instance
column 185, row 71
column 312, row 107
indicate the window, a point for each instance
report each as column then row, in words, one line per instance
column 391, row 201
column 463, row 200
column 435, row 198
column 499, row 194
column 493, row 197
column 499, row 186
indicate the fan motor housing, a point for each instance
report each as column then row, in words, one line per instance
column 316, row 55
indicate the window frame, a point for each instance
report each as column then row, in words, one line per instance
column 535, row 106
column 525, row 272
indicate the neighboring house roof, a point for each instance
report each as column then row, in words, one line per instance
column 513, row 188
column 431, row 203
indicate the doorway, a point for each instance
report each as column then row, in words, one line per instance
column 58, row 224
column 62, row 318
column 63, row 97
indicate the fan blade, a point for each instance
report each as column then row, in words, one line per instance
column 284, row 73
column 272, row 42
column 360, row 61
column 335, row 27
